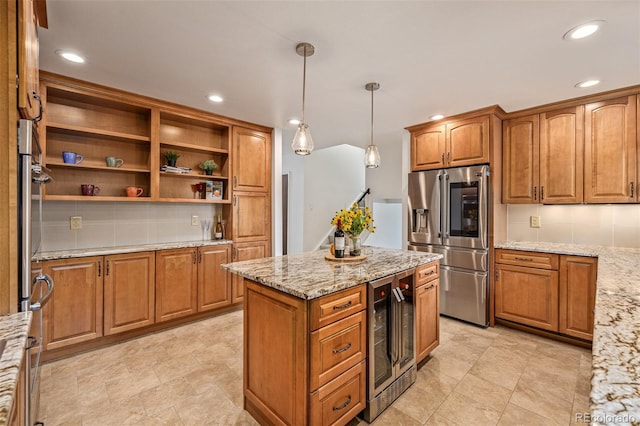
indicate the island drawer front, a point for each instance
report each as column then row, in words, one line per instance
column 340, row 400
column 334, row 307
column 527, row 259
column 426, row 273
column 336, row 348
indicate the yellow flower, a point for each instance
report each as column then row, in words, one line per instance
column 354, row 220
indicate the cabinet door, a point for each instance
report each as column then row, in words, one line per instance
column 520, row 147
column 467, row 142
column 427, row 148
column 610, row 151
column 251, row 217
column 561, row 155
column 74, row 312
column 176, row 283
column 28, row 54
column 577, row 295
column 129, row 290
column 214, row 283
column 246, row 251
column 527, row 295
column 251, row 160
column 427, row 319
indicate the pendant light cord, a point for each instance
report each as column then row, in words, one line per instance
column 304, row 80
column 371, row 140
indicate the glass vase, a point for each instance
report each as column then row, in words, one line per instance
column 355, row 249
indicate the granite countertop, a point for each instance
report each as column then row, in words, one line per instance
column 14, row 328
column 615, row 381
column 309, row 275
column 104, row 251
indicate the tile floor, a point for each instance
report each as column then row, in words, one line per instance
column 192, row 375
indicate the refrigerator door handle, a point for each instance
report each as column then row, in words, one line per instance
column 444, row 205
column 36, row 306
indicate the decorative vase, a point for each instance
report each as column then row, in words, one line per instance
column 355, row 245
column 171, row 163
column 208, row 172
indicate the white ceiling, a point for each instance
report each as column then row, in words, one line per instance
column 428, row 56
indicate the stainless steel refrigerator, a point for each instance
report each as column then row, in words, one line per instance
column 448, row 214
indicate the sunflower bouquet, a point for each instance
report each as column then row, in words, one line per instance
column 354, row 220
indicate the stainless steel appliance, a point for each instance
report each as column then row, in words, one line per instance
column 33, row 293
column 391, row 353
column 448, row 211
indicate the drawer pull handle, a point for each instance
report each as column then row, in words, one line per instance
column 431, row 272
column 346, row 348
column 524, row 259
column 430, row 287
column 343, row 406
column 346, row 305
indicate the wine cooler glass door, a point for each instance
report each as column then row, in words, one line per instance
column 380, row 342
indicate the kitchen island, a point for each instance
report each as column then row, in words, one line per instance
column 305, row 333
column 615, row 381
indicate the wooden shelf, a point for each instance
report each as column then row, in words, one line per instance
column 194, row 200
column 196, row 175
column 90, row 166
column 99, row 132
column 123, row 198
column 194, row 147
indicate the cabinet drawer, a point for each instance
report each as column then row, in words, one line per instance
column 341, row 399
column 336, row 306
column 426, row 273
column 336, row 348
column 527, row 259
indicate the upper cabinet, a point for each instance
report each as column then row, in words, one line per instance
column 610, row 151
column 462, row 140
column 576, row 151
column 252, row 160
column 28, row 65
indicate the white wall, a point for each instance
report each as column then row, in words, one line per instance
column 294, row 165
column 334, row 178
column 615, row 225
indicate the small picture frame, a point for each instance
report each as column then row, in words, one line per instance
column 214, row 190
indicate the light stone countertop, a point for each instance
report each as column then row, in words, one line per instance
column 104, row 251
column 615, row 380
column 309, row 275
column 14, row 328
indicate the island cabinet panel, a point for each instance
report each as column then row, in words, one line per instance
column 275, row 356
column 176, row 283
column 577, row 295
column 251, row 160
column 73, row 314
column 129, row 291
column 610, row 151
column 214, row 283
column 427, row 301
column 295, row 374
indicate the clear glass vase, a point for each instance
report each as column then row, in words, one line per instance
column 355, row 249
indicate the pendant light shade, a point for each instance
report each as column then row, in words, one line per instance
column 372, row 156
column 302, row 141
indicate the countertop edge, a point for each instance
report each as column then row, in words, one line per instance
column 14, row 328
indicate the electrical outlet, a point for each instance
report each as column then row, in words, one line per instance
column 195, row 221
column 76, row 222
column 535, row 221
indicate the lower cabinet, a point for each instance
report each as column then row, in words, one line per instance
column 427, row 301
column 547, row 291
column 74, row 312
column 246, row 251
column 129, row 293
column 176, row 283
column 214, row 283
column 304, row 361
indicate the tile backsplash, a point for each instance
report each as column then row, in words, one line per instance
column 616, row 225
column 120, row 224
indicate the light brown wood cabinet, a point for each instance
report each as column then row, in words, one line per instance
column 73, row 314
column 129, row 291
column 28, row 60
column 427, row 302
column 543, row 157
column 176, row 283
column 459, row 141
column 547, row 291
column 252, row 160
column 611, row 151
column 246, row 251
column 304, row 361
column 214, row 283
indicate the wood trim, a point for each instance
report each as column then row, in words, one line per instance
column 544, row 333
column 8, row 163
column 41, row 13
column 494, row 109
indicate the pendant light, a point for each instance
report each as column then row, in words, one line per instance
column 302, row 142
column 372, row 156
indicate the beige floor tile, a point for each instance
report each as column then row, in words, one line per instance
column 157, row 399
column 437, row 420
column 128, row 385
column 445, row 363
column 394, row 417
column 484, row 392
column 515, row 415
column 466, row 411
column 541, row 400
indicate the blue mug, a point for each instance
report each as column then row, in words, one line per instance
column 71, row 157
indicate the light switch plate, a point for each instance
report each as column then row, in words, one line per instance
column 76, row 222
column 195, row 221
column 535, row 221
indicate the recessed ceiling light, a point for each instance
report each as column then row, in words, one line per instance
column 587, row 83
column 437, row 117
column 294, row 121
column 71, row 56
column 583, row 30
column 215, row 98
